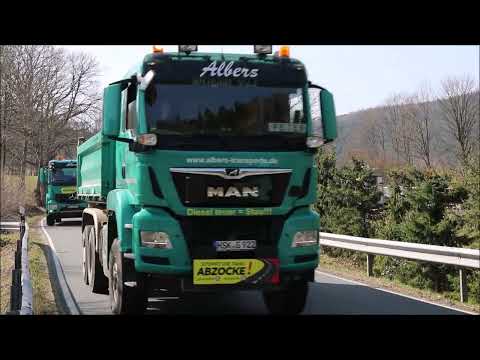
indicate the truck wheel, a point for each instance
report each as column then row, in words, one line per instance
column 50, row 220
column 97, row 280
column 85, row 253
column 289, row 301
column 124, row 299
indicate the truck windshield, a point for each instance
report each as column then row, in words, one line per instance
column 228, row 111
column 63, row 176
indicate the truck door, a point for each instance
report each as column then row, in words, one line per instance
column 126, row 158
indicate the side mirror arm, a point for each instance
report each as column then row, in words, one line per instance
column 115, row 138
column 125, row 82
column 132, row 144
column 314, row 86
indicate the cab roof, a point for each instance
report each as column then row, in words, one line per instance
column 252, row 58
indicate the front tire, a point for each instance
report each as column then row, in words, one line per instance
column 289, row 301
column 85, row 253
column 50, row 220
column 124, row 299
column 98, row 282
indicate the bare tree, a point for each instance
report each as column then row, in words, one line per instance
column 5, row 58
column 399, row 127
column 375, row 135
column 70, row 103
column 52, row 99
column 61, row 99
column 459, row 102
column 420, row 113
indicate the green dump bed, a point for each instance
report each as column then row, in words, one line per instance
column 95, row 168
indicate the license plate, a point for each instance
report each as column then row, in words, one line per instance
column 235, row 271
column 68, row 189
column 235, row 245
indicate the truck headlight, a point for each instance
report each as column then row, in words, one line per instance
column 155, row 239
column 53, row 206
column 305, row 238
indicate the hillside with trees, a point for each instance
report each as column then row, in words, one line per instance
column 424, row 129
column 426, row 149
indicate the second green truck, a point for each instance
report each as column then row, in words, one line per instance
column 57, row 190
column 203, row 178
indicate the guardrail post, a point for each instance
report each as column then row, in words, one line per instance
column 15, row 291
column 18, row 254
column 463, row 286
column 22, row 221
column 370, row 259
column 21, row 289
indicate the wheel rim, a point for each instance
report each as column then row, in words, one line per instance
column 84, row 261
column 115, row 282
column 91, row 260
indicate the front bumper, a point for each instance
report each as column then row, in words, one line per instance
column 178, row 284
column 66, row 211
column 178, row 261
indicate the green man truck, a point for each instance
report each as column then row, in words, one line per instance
column 203, row 179
column 57, row 183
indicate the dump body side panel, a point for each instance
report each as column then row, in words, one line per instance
column 96, row 168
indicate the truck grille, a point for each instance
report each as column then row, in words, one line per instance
column 201, row 233
column 67, row 198
column 192, row 188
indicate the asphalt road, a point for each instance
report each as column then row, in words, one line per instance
column 328, row 295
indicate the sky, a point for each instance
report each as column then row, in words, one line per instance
column 359, row 76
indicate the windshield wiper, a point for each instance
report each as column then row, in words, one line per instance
column 230, row 142
column 287, row 140
column 194, row 140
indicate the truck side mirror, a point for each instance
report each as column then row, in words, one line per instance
column 111, row 110
column 329, row 118
column 324, row 119
column 144, row 81
column 41, row 175
column 297, row 115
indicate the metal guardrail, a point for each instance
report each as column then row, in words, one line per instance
column 9, row 226
column 21, row 293
column 460, row 257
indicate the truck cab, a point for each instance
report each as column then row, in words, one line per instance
column 204, row 177
column 58, row 190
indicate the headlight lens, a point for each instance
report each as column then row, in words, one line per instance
column 53, row 206
column 305, row 238
column 155, row 239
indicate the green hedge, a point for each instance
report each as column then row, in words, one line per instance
column 425, row 206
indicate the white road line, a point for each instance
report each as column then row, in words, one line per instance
column 395, row 293
column 67, row 295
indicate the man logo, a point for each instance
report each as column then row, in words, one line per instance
column 232, row 172
column 232, row 191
